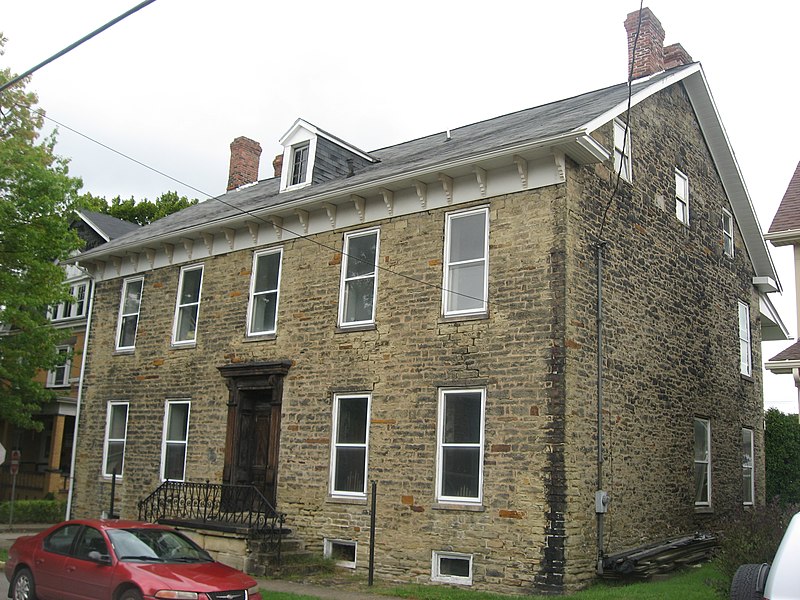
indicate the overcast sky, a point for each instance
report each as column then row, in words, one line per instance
column 175, row 83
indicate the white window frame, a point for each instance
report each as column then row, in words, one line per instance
column 182, row 307
column 682, row 197
column 748, row 467
column 449, row 265
column 328, row 551
column 622, row 151
column 303, row 175
column 106, row 440
column 436, row 569
column 336, row 446
column 53, row 380
column 704, row 461
column 73, row 310
column 128, row 315
column 165, row 441
column 251, row 307
column 441, row 445
column 745, row 341
column 727, row 233
column 345, row 280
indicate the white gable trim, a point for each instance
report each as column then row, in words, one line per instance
column 93, row 225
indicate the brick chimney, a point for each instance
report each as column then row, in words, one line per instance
column 277, row 165
column 245, row 154
column 649, row 57
column 675, row 55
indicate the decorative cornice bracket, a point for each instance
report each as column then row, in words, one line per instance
column 522, row 169
column 422, row 193
column 331, row 210
column 447, row 185
column 303, row 216
column 361, row 206
column 480, row 174
column 388, row 199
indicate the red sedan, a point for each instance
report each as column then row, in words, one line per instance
column 119, row 560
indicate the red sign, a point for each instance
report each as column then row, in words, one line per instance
column 15, row 456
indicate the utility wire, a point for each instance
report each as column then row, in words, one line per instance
column 74, row 45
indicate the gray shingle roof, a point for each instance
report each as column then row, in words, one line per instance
column 788, row 216
column 109, row 226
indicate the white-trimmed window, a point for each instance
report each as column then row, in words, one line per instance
column 116, row 434
column 727, row 233
column 748, row 467
column 59, row 375
column 299, row 166
column 342, row 551
column 187, row 307
column 349, row 445
column 466, row 262
column 459, row 456
column 72, row 310
column 681, row 197
column 129, row 307
column 451, row 567
column 174, row 440
column 622, row 150
column 262, row 315
column 359, row 281
column 745, row 345
column 702, row 462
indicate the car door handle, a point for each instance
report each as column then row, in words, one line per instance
column 39, row 561
column 70, row 568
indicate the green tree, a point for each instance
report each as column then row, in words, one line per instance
column 782, row 456
column 37, row 202
column 142, row 211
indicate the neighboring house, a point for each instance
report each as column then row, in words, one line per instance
column 47, row 454
column 424, row 316
column 785, row 230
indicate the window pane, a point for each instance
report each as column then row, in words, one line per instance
column 352, row 425
column 178, row 419
column 127, row 334
column 187, row 322
column 349, row 475
column 133, row 294
column 361, row 255
column 264, row 310
column 700, row 483
column 267, row 268
column 467, row 237
column 191, row 286
column 747, row 448
column 358, row 299
column 460, row 469
column 454, row 567
column 466, row 287
column 119, row 419
column 700, row 441
column 462, row 418
column 116, row 451
column 174, row 461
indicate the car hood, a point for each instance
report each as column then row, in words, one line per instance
column 193, row 577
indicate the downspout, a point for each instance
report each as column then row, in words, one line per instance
column 601, row 498
column 796, row 377
column 80, row 397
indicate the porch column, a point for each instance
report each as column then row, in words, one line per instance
column 53, row 475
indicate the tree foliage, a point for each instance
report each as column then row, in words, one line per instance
column 37, row 203
column 782, row 453
column 141, row 212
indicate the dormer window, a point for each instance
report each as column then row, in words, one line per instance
column 299, row 164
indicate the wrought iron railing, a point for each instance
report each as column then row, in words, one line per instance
column 215, row 505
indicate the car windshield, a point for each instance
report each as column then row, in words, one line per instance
column 155, row 545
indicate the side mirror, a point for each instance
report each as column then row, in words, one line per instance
column 103, row 559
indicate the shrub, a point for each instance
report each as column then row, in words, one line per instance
column 782, row 452
column 34, row 511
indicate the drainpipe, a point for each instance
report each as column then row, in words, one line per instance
column 796, row 377
column 601, row 497
column 89, row 312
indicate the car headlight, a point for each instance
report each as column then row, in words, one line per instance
column 176, row 595
column 252, row 591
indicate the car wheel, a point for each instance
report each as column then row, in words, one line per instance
column 22, row 587
column 748, row 582
column 131, row 594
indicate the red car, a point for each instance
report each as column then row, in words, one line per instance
column 119, row 560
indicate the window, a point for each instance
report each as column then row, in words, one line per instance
column 264, row 286
column 702, row 462
column 61, row 540
column 72, row 310
column 342, row 551
column 622, row 150
column 349, row 452
column 90, row 540
column 727, row 233
column 681, row 197
column 299, row 164
column 745, row 354
column 59, row 376
column 459, row 463
column 748, row 480
column 466, row 262
column 188, row 305
column 359, row 278
column 116, row 432
column 129, row 313
column 173, row 445
column 452, row 567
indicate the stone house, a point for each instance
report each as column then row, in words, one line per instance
column 426, row 317
column 46, row 455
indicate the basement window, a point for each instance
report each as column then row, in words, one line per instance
column 452, row 567
column 341, row 551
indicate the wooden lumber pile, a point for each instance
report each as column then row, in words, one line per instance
column 660, row 557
